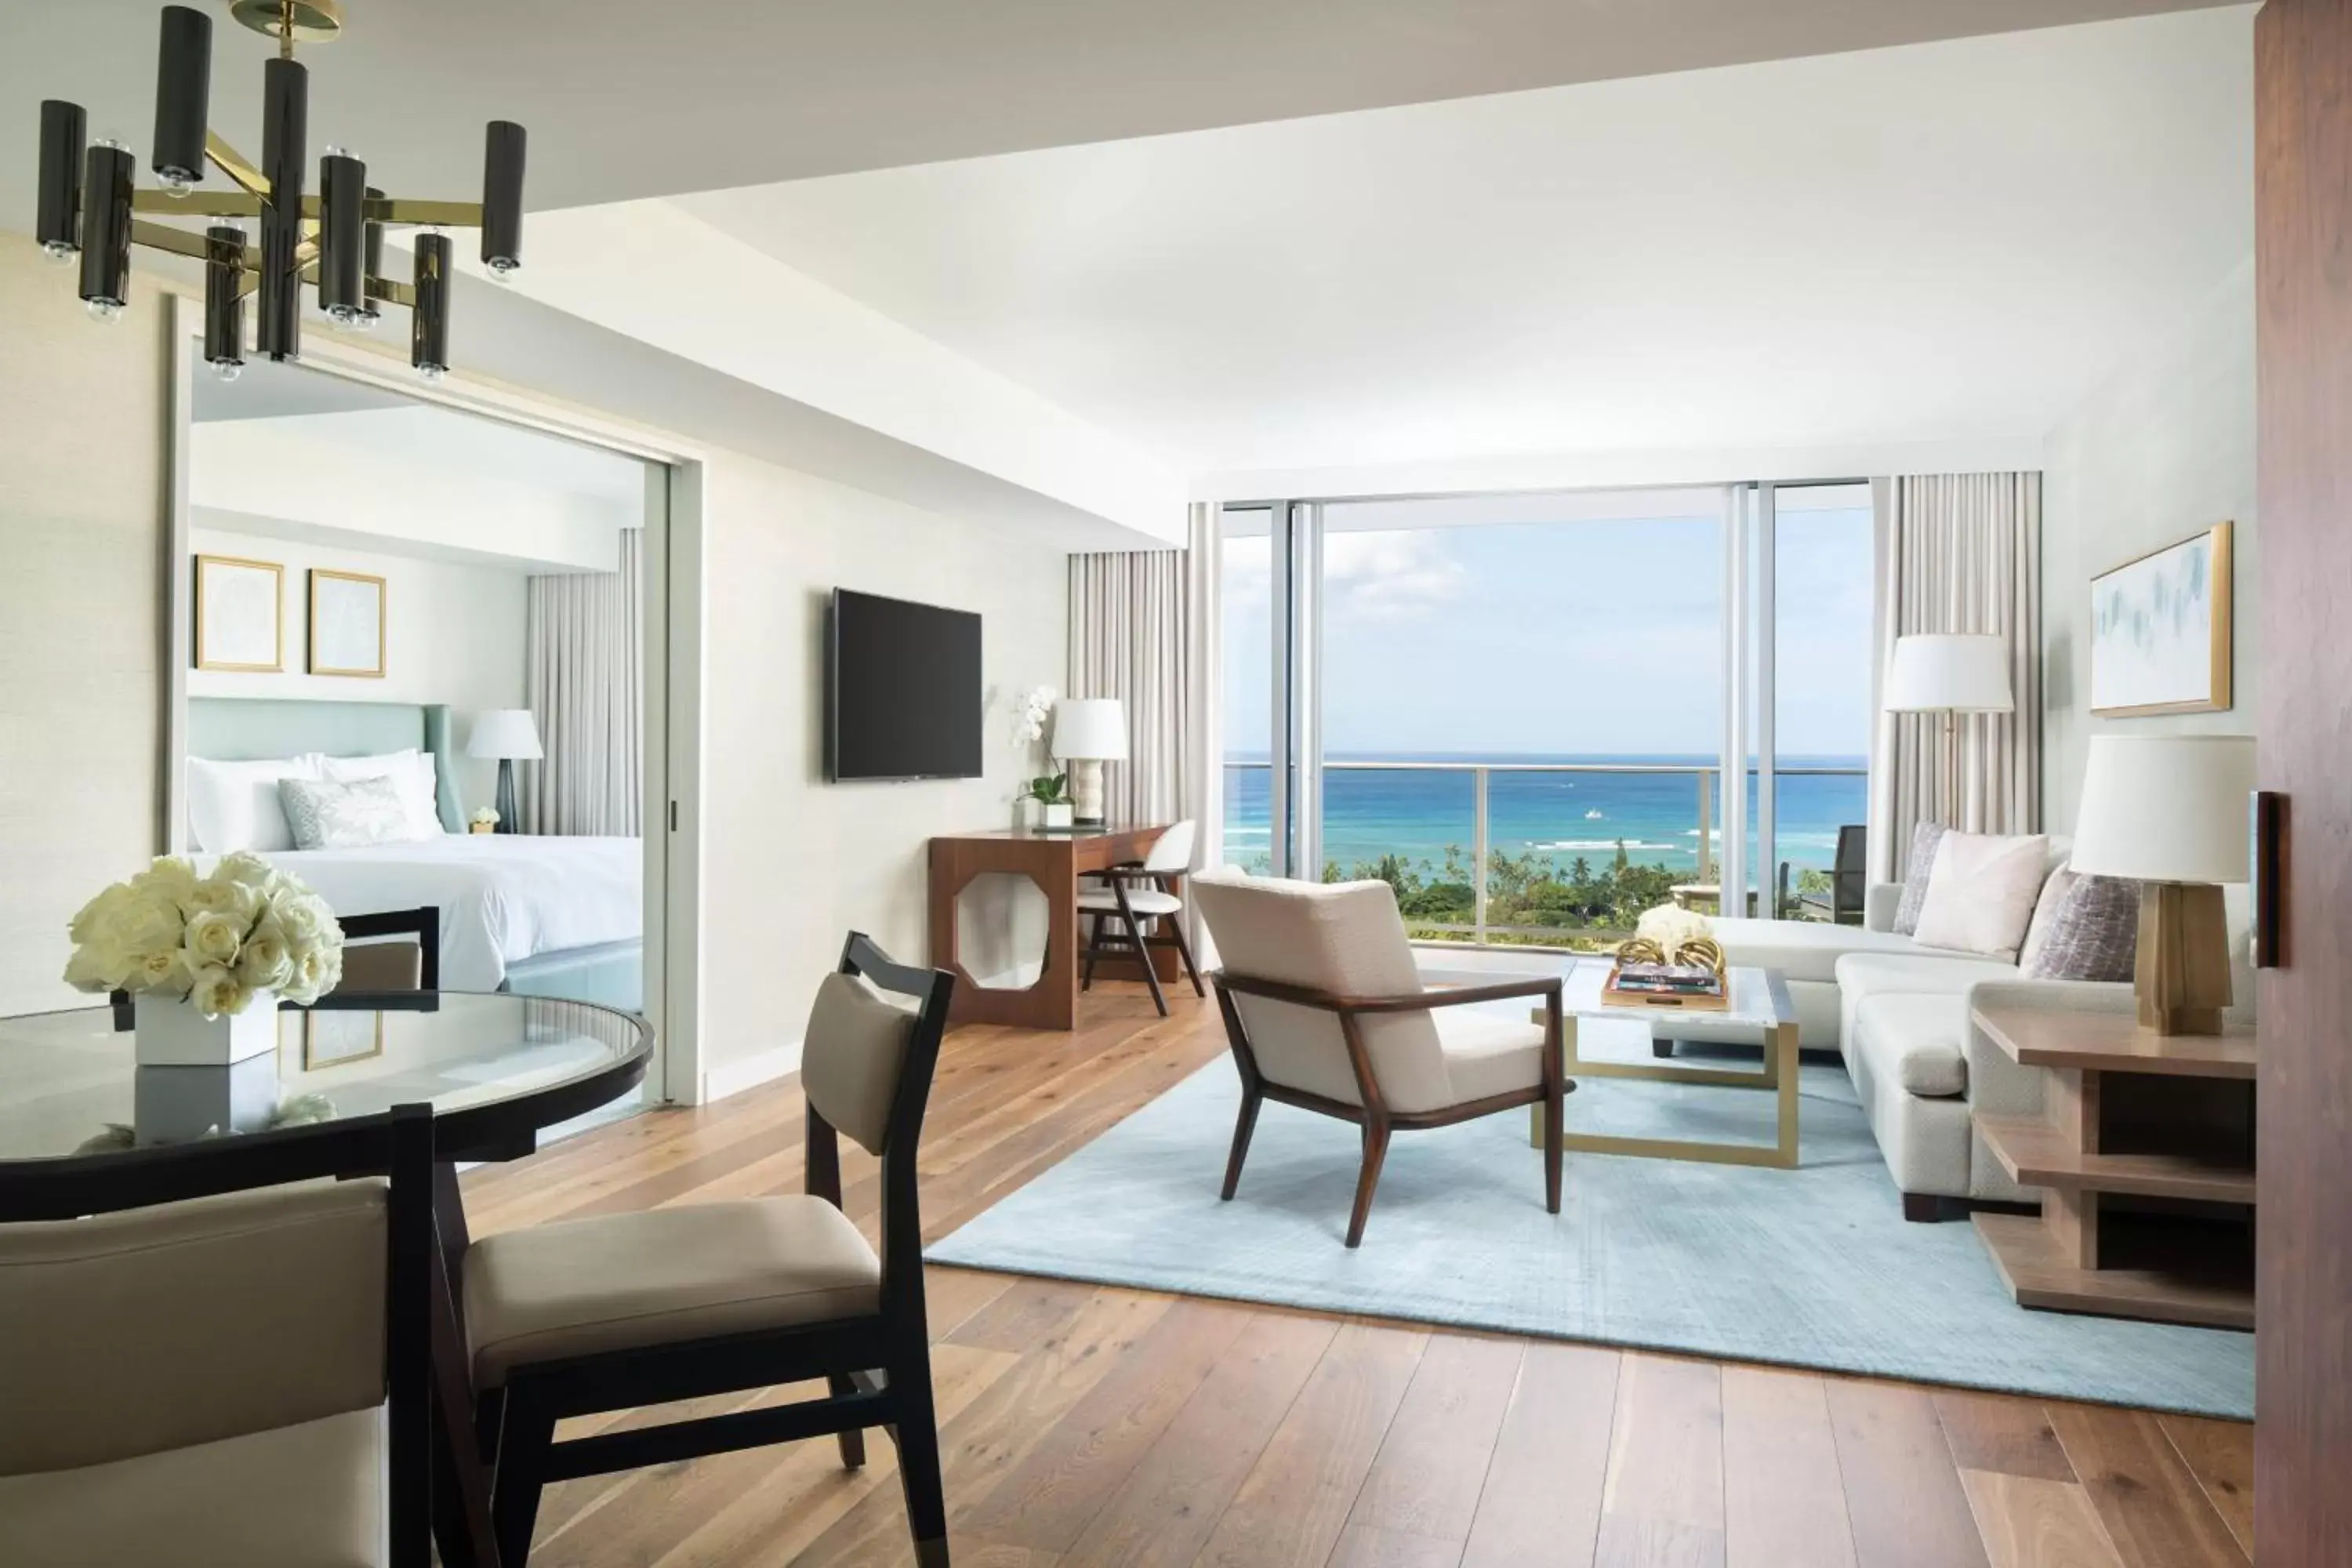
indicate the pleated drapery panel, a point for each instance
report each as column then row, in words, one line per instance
column 1129, row 623
column 585, row 675
column 1204, row 794
column 1960, row 552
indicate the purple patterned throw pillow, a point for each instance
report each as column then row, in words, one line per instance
column 2094, row 934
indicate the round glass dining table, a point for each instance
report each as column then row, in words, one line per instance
column 496, row 1069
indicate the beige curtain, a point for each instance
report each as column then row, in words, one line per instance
column 1958, row 553
column 1129, row 616
column 584, row 673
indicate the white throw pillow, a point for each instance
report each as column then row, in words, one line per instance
column 325, row 814
column 409, row 770
column 235, row 806
column 1981, row 893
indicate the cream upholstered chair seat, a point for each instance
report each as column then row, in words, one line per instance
column 1143, row 900
column 1487, row 1054
column 617, row 1282
column 200, row 1383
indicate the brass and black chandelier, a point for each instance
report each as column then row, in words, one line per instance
column 333, row 241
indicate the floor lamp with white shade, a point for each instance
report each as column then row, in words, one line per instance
column 1950, row 673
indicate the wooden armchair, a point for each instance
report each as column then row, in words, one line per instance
column 1325, row 1010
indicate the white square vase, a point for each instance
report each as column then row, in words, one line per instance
column 173, row 1034
column 175, row 1104
column 1060, row 815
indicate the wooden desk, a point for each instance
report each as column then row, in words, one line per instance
column 1054, row 862
column 2145, row 1157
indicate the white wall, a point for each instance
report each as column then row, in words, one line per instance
column 453, row 634
column 2164, row 449
column 791, row 862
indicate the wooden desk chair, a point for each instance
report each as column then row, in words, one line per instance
column 1133, row 894
column 630, row 1309
column 1325, row 1009
column 241, row 1377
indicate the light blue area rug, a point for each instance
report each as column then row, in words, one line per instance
column 1813, row 1267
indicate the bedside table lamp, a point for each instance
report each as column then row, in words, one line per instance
column 2170, row 811
column 1951, row 674
column 1087, row 732
column 510, row 735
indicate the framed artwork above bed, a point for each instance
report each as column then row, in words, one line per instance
column 346, row 623
column 2160, row 630
column 239, row 614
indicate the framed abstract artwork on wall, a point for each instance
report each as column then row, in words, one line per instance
column 346, row 623
column 239, row 609
column 2160, row 630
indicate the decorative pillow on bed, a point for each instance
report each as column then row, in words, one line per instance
column 1981, row 893
column 2092, row 934
column 329, row 816
column 235, row 806
column 411, row 770
column 1925, row 838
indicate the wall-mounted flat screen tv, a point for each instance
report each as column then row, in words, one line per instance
column 903, row 690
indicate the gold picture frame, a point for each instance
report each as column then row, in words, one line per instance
column 348, row 1035
column 330, row 647
column 2161, row 632
column 226, row 595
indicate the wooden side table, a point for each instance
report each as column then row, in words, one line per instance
column 2145, row 1157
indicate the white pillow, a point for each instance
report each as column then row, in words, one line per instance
column 1981, row 893
column 235, row 806
column 411, row 770
column 326, row 815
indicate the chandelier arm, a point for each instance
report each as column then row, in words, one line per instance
column 393, row 290
column 163, row 236
column 418, row 214
column 196, row 204
column 236, row 165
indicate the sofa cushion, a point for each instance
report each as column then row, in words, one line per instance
column 1982, row 894
column 2094, row 934
column 1914, row 1041
column 1809, row 950
column 1917, row 867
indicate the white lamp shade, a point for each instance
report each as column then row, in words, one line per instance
column 1940, row 672
column 2166, row 808
column 1089, row 727
column 504, row 733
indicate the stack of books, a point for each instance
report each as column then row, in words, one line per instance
column 1666, row 984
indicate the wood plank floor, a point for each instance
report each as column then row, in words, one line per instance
column 1085, row 1425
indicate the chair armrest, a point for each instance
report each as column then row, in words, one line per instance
column 1879, row 903
column 1998, row 1084
column 1414, row 1002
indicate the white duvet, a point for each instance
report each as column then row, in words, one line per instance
column 503, row 897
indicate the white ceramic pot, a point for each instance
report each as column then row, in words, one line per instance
column 1060, row 815
column 173, row 1034
column 1028, row 812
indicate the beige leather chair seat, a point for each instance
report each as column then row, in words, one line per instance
column 622, row 1281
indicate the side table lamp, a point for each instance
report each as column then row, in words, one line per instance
column 510, row 735
column 1087, row 732
column 2170, row 812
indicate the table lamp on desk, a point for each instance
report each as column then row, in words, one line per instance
column 1087, row 732
column 510, row 735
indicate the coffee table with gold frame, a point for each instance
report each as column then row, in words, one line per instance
column 1759, row 1013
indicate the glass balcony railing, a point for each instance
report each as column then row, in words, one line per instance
column 1552, row 854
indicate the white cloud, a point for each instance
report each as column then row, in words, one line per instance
column 1392, row 574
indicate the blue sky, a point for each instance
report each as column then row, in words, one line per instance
column 1576, row 637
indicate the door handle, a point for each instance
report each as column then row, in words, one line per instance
column 2266, row 861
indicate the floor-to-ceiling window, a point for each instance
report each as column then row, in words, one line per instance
column 1514, row 708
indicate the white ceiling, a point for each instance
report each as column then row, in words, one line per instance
column 625, row 99
column 1941, row 242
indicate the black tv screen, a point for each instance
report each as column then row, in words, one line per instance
column 904, row 700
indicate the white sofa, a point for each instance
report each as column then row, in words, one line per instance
column 1899, row 1012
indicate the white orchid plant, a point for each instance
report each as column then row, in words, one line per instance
column 218, row 941
column 1033, row 713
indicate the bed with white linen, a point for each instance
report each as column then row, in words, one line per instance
column 554, row 916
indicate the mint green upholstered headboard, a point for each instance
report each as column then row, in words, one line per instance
column 244, row 729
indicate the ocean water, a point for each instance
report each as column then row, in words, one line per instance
column 1559, row 817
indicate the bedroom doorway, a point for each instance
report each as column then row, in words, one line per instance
column 419, row 655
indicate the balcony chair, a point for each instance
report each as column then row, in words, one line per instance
column 1325, row 1010
column 1133, row 894
column 630, row 1309
column 1843, row 905
column 228, row 1379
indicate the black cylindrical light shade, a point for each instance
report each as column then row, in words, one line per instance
column 224, row 305
column 342, row 235
column 502, row 161
column 285, row 121
column 183, row 81
column 429, row 338
column 58, row 223
column 106, row 226
column 374, row 251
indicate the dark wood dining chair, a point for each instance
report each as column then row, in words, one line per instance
column 1132, row 894
column 630, row 1309
column 214, row 1355
column 399, row 950
column 1325, row 1009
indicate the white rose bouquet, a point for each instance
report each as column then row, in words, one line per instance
column 216, row 941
